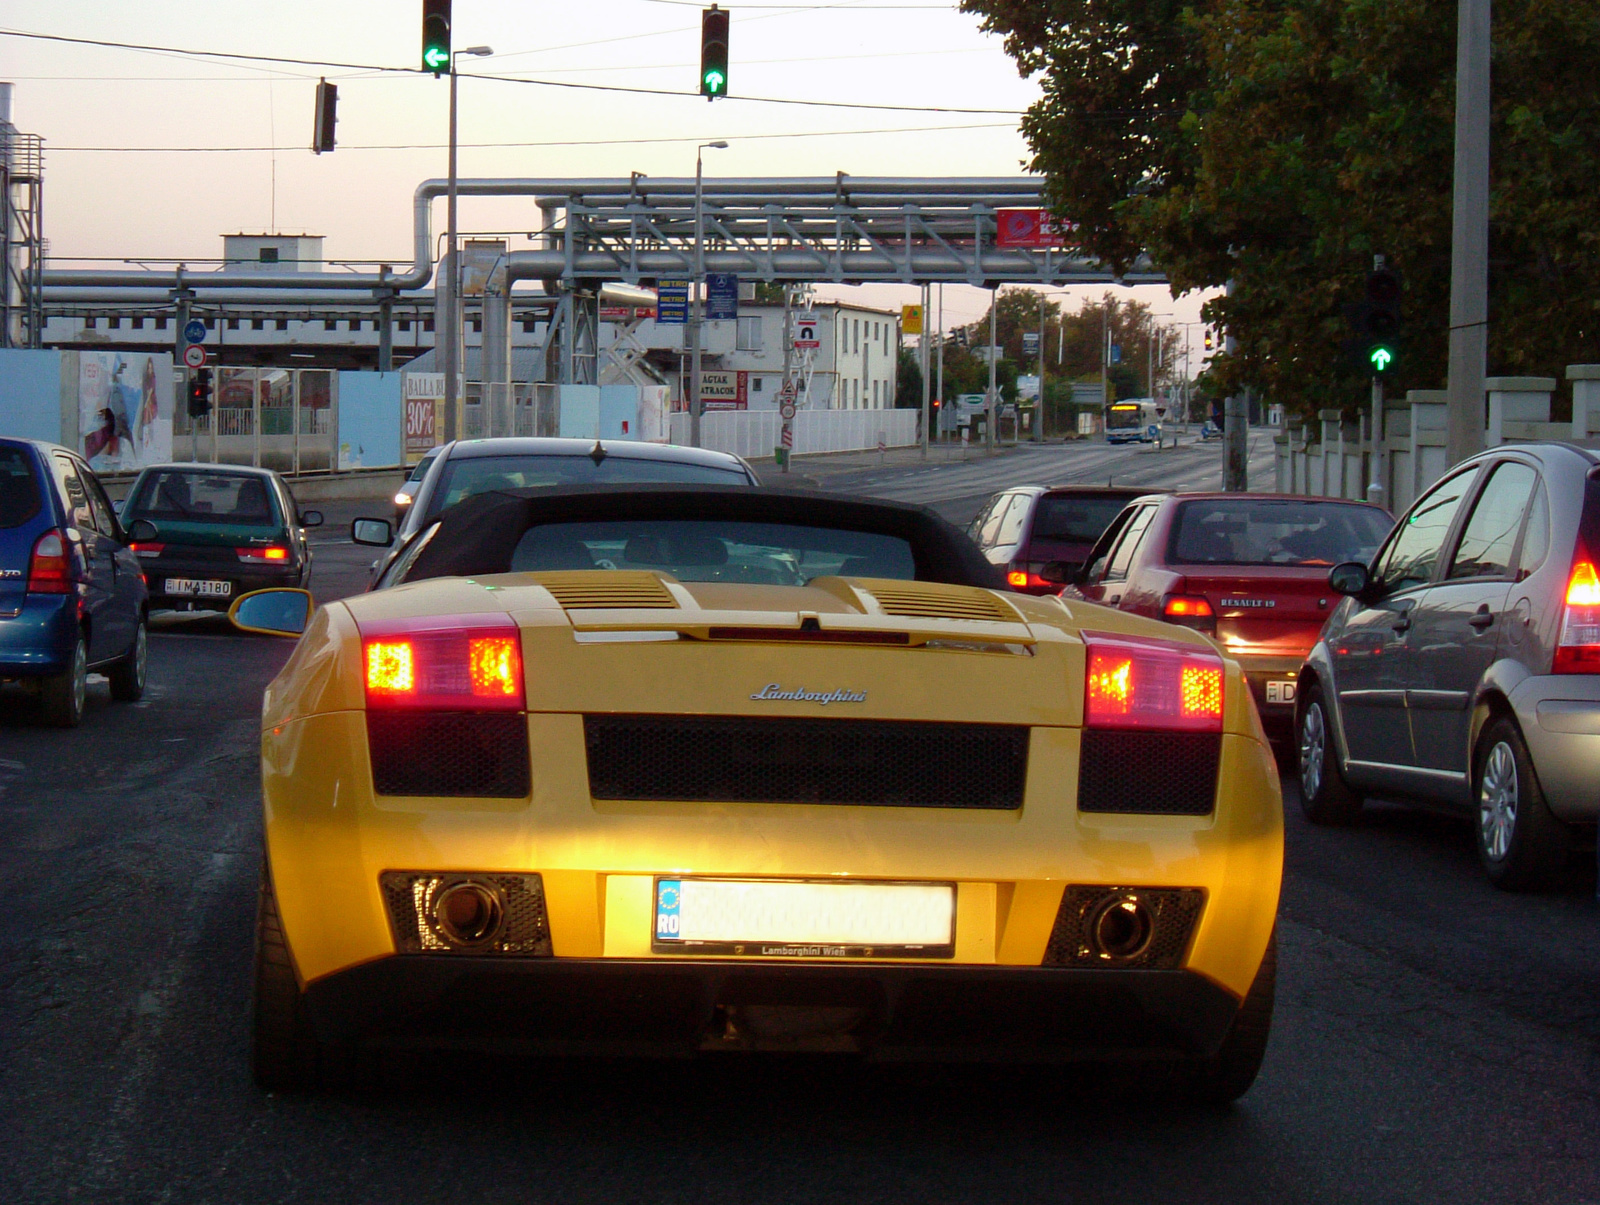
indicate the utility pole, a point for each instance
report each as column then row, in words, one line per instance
column 181, row 297
column 787, row 393
column 698, row 287
column 447, row 318
column 1235, row 429
column 990, row 400
column 925, row 362
column 1469, row 235
column 940, row 328
column 1038, row 430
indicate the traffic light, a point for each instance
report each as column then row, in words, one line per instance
column 436, row 36
column 200, row 393
column 714, row 52
column 327, row 116
column 1380, row 322
column 1210, row 345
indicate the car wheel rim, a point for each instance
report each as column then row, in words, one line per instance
column 1313, row 741
column 80, row 677
column 1497, row 801
column 141, row 653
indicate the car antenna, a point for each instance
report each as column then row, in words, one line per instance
column 597, row 453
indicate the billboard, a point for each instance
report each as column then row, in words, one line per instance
column 124, row 409
column 720, row 390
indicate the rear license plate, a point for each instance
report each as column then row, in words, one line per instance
column 764, row 918
column 1280, row 692
column 198, row 587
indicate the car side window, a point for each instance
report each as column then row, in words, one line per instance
column 105, row 516
column 82, row 514
column 1490, row 535
column 1536, row 539
column 991, row 522
column 975, row 528
column 1132, row 537
column 1418, row 541
column 1011, row 525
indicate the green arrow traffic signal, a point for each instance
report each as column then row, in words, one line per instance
column 1381, row 358
column 435, row 58
column 714, row 83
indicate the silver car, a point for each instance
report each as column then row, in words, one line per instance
column 1463, row 666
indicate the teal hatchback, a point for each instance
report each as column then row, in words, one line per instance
column 205, row 534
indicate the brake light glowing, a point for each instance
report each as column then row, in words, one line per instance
column 1184, row 606
column 1017, row 579
column 1143, row 682
column 391, row 668
column 263, row 555
column 443, row 663
column 50, row 566
column 494, row 663
column 1578, row 651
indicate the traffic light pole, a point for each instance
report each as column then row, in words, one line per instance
column 445, row 315
column 180, row 314
column 925, row 362
column 1375, row 487
column 1469, row 238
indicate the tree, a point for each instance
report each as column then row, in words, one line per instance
column 1280, row 144
column 908, row 392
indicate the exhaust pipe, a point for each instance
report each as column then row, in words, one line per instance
column 1121, row 927
column 467, row 914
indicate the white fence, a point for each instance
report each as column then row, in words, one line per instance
column 752, row 433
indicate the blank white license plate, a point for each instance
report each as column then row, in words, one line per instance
column 198, row 587
column 773, row 919
column 1280, row 692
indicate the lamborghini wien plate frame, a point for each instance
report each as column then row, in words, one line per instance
column 803, row 918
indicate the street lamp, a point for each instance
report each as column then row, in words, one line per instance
column 699, row 287
column 448, row 324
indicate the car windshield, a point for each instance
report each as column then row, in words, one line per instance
column 469, row 475
column 185, row 496
column 1245, row 532
column 693, row 550
column 1080, row 519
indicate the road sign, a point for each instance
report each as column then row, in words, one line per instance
column 786, row 411
column 805, row 332
column 672, row 302
column 911, row 319
column 788, row 436
column 722, row 296
column 194, row 356
column 1030, row 343
column 194, row 331
column 787, row 392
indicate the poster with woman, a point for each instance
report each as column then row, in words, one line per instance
column 125, row 409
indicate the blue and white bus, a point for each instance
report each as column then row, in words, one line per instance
column 1133, row 420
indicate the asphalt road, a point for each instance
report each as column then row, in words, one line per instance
column 1435, row 1040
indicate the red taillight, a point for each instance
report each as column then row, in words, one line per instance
column 1189, row 611
column 147, row 550
column 263, row 555
column 452, row 663
column 1137, row 682
column 1578, row 651
column 50, row 566
column 1017, row 579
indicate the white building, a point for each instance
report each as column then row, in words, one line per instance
column 286, row 253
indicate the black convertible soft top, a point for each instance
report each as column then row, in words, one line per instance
column 479, row 535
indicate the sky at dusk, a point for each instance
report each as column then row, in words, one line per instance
column 152, row 155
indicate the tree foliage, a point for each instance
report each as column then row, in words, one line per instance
column 1281, row 144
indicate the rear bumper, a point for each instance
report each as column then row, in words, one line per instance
column 1277, row 712
column 1559, row 715
column 657, row 1006
column 242, row 579
column 37, row 641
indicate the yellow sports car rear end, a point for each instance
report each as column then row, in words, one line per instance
column 611, row 810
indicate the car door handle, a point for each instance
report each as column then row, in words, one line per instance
column 1481, row 618
column 1403, row 624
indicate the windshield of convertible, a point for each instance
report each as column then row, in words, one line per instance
column 696, row 550
column 472, row 475
column 1218, row 532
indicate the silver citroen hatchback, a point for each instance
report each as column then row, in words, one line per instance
column 1463, row 665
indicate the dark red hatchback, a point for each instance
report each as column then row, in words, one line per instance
column 1030, row 526
column 1250, row 570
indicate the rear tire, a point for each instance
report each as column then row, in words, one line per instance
column 285, row 1054
column 1325, row 797
column 127, row 675
column 1520, row 842
column 1229, row 1073
column 61, row 696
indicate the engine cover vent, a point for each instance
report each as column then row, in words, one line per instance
column 929, row 600
column 621, row 589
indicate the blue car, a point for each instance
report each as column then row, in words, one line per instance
column 72, row 594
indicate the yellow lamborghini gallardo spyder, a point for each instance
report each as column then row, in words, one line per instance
column 675, row 768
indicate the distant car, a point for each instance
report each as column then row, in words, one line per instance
column 406, row 494
column 469, row 467
column 1210, row 430
column 1463, row 668
column 220, row 531
column 72, row 598
column 1250, row 570
column 1024, row 529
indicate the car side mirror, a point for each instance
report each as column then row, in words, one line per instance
column 376, row 533
column 142, row 530
column 311, row 518
column 277, row 612
column 1350, row 579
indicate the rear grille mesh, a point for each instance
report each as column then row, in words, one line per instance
column 603, row 588
column 1173, row 911
column 408, row 896
column 932, row 601
column 1148, row 773
column 735, row 759
column 449, row 753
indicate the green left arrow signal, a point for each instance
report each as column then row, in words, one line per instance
column 436, row 57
